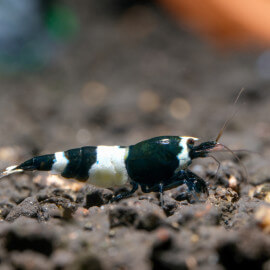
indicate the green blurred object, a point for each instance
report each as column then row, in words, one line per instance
column 61, row 22
column 30, row 44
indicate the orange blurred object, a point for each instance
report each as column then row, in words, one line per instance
column 225, row 23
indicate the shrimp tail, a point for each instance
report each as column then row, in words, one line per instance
column 10, row 170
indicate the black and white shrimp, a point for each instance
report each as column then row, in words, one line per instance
column 156, row 164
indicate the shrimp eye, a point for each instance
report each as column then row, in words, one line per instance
column 190, row 142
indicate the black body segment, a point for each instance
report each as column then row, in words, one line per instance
column 74, row 157
column 41, row 163
column 154, row 160
column 80, row 162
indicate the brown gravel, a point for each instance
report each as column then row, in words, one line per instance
column 51, row 223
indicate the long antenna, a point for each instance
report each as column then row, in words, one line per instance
column 219, row 165
column 230, row 117
column 238, row 159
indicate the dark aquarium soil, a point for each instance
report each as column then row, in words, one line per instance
column 131, row 73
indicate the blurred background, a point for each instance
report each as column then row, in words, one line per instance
column 86, row 72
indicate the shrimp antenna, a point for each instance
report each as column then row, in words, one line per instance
column 219, row 165
column 237, row 158
column 230, row 117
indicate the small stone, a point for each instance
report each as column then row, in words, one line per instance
column 51, row 210
column 122, row 216
column 262, row 216
column 81, row 213
column 163, row 235
column 226, row 194
column 88, row 226
column 170, row 206
column 97, row 197
column 112, row 233
column 149, row 222
column 261, row 192
column 29, row 208
column 5, row 208
column 42, row 195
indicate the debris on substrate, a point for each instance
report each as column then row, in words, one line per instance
column 61, row 226
column 131, row 74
